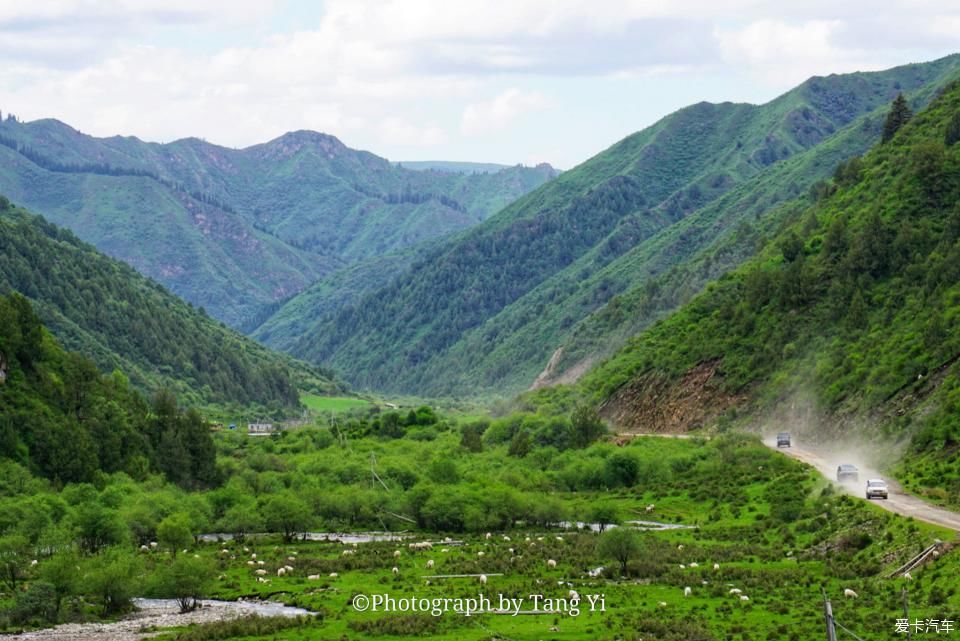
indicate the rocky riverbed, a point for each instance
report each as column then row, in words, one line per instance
column 153, row 613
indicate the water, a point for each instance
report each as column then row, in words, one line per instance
column 348, row 538
column 160, row 613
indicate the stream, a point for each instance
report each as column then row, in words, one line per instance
column 162, row 613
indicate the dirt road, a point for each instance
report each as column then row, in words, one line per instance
column 827, row 460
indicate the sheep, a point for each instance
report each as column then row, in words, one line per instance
column 650, row 507
column 196, row 556
column 281, row 572
column 744, row 597
column 34, row 563
column 263, row 580
column 735, row 590
column 551, row 563
column 291, row 559
column 680, row 547
column 246, row 550
column 662, row 604
column 224, row 551
column 396, row 554
column 560, row 539
column 687, row 591
column 683, row 567
column 144, row 548
column 850, row 594
column 573, row 595
column 349, row 552
column 488, row 536
column 254, row 556
column 506, row 538
column 554, row 628
column 430, row 563
column 908, row 576
column 395, row 570
column 483, row 579
column 694, row 565
column 261, row 562
column 185, row 550
column 260, row 572
column 250, row 563
column 313, row 577
column 332, row 575
column 716, row 566
column 480, row 555
column 288, row 568
column 222, row 577
column 445, row 550
column 153, row 545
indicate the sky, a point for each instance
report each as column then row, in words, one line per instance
column 509, row 81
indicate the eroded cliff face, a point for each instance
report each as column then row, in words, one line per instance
column 653, row 403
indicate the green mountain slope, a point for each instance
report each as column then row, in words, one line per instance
column 104, row 309
column 63, row 420
column 486, row 310
column 238, row 230
column 854, row 309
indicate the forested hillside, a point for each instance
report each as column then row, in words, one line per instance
column 239, row 230
column 485, row 312
column 853, row 309
column 63, row 420
column 122, row 320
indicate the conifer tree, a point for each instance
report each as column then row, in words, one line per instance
column 899, row 115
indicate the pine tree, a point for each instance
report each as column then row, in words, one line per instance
column 899, row 115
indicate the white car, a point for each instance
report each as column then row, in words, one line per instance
column 877, row 489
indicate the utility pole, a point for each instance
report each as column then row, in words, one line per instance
column 906, row 611
column 828, row 617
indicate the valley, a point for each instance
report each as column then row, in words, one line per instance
column 262, row 392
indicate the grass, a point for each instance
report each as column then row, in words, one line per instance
column 332, row 403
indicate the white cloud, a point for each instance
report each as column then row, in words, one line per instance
column 497, row 114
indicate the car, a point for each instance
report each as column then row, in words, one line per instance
column 847, row 472
column 877, row 489
column 783, row 439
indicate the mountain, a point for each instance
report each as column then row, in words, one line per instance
column 452, row 167
column 485, row 310
column 107, row 311
column 237, row 231
column 63, row 420
column 846, row 323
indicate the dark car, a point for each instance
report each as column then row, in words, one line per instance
column 783, row 439
column 847, row 472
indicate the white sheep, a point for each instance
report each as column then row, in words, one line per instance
column 260, row 572
column 313, row 577
column 261, row 562
column 288, row 568
column 430, row 563
column 551, row 563
column 281, row 572
column 680, row 547
column 650, row 507
column 333, row 575
column 395, row 570
column 683, row 567
column 662, row 604
column 483, row 579
column 444, row 550
column 908, row 576
column 250, row 563
column 291, row 559
column 744, row 597
column 560, row 539
column 396, row 554
column 850, row 594
column 153, row 545
column 246, row 550
column 263, row 580
column 735, row 590
column 488, row 536
column 254, row 556
column 573, row 595
column 34, row 563
column 687, row 591
column 144, row 548
column 349, row 552
column 185, row 550
column 694, row 565
column 479, row 555
column 716, row 566
column 506, row 538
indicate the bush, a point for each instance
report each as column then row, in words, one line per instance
column 37, row 605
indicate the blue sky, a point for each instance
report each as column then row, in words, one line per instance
column 484, row 80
